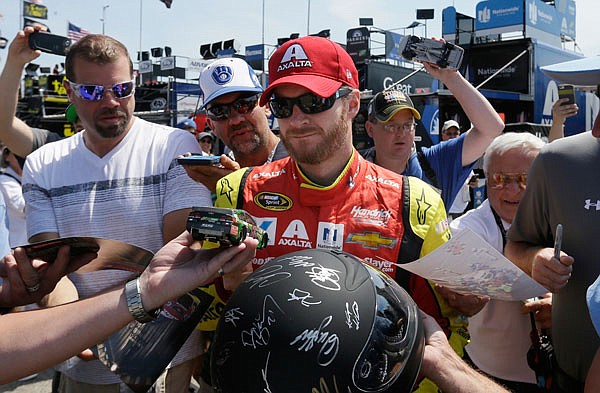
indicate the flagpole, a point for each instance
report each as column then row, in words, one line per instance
column 140, row 52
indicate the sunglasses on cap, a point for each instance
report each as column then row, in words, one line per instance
column 309, row 103
column 242, row 105
column 501, row 180
column 96, row 92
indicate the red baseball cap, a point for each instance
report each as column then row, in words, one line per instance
column 315, row 63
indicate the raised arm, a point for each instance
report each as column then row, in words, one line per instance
column 14, row 133
column 486, row 123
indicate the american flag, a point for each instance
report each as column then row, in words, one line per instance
column 76, row 32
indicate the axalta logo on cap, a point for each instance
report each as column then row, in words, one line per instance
column 294, row 57
column 222, row 74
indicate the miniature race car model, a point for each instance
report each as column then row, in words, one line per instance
column 444, row 54
column 229, row 227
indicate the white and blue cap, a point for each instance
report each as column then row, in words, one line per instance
column 227, row 75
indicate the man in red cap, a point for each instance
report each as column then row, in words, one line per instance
column 325, row 195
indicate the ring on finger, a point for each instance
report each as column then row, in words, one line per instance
column 33, row 288
column 221, row 272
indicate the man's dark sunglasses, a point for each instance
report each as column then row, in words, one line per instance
column 309, row 103
column 242, row 105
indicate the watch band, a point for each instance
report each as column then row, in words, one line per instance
column 134, row 303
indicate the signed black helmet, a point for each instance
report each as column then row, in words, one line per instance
column 317, row 321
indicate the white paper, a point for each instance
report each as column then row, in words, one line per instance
column 468, row 264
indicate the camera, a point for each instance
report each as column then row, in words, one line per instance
column 49, row 43
column 443, row 54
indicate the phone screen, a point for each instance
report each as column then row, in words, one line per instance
column 567, row 91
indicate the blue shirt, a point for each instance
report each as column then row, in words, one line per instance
column 445, row 159
column 593, row 301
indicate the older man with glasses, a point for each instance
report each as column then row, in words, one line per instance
column 500, row 331
column 391, row 123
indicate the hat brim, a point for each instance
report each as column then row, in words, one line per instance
column 319, row 85
column 231, row 89
column 385, row 117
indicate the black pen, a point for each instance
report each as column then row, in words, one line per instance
column 558, row 241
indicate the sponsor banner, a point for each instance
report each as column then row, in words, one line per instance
column 543, row 17
column 496, row 17
column 392, row 42
column 255, row 55
column 381, row 75
column 197, row 65
column 32, row 22
column 54, row 85
column 513, row 78
column 448, row 21
column 35, row 10
column 145, row 66
column 167, row 63
column 357, row 44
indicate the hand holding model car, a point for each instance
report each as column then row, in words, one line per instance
column 228, row 227
column 441, row 53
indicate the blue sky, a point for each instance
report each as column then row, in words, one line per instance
column 190, row 23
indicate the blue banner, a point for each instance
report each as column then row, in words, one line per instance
column 499, row 16
column 542, row 16
column 392, row 40
column 255, row 55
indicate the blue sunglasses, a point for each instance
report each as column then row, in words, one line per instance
column 96, row 92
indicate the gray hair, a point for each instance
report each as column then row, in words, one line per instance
column 522, row 141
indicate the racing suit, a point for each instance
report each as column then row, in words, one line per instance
column 370, row 212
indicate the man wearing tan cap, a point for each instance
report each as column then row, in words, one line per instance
column 446, row 166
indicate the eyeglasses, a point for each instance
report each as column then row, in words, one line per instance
column 501, row 180
column 309, row 103
column 96, row 92
column 450, row 133
column 393, row 128
column 205, row 140
column 242, row 105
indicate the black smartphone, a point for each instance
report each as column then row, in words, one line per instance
column 198, row 159
column 566, row 91
column 49, row 43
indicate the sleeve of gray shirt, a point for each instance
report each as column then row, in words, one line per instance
column 41, row 137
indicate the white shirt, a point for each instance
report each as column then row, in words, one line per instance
column 499, row 332
column 123, row 196
column 10, row 187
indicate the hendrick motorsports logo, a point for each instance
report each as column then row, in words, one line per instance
column 273, row 201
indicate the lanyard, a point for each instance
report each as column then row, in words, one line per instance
column 500, row 226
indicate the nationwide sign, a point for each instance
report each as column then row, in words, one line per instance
column 35, row 10
column 536, row 18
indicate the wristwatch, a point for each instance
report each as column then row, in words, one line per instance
column 134, row 303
